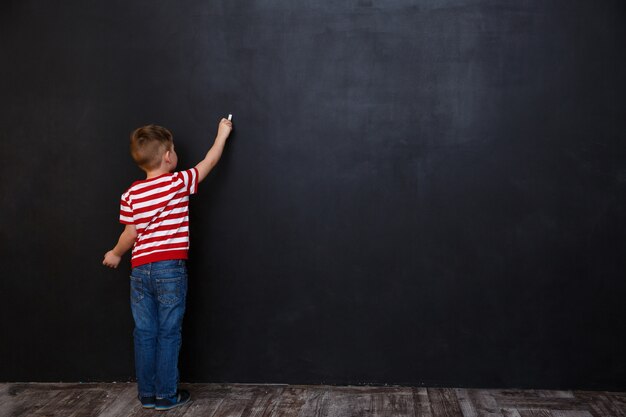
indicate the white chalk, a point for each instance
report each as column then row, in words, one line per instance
column 230, row 117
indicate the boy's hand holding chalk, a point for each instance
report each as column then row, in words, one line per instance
column 226, row 125
column 215, row 153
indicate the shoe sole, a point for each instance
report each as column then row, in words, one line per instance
column 172, row 406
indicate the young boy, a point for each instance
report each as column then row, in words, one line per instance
column 155, row 212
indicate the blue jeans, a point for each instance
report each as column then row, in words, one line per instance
column 158, row 292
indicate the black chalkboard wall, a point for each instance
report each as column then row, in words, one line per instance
column 416, row 192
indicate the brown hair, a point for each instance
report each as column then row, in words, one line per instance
column 147, row 145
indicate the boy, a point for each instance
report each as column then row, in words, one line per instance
column 155, row 212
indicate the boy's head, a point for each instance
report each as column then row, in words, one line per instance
column 152, row 145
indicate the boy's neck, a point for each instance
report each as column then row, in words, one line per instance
column 156, row 173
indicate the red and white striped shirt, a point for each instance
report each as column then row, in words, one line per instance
column 159, row 209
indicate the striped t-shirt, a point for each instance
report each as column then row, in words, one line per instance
column 159, row 209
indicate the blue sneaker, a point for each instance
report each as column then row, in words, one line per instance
column 181, row 397
column 147, row 402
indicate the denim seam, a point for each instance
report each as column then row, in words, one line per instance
column 168, row 271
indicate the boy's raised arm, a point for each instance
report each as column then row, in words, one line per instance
column 215, row 153
column 127, row 239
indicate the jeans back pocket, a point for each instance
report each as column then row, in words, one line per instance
column 170, row 290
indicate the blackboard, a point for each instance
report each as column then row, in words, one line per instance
column 416, row 192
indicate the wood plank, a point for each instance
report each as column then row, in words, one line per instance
column 618, row 402
column 534, row 413
column 26, row 402
column 315, row 402
column 444, row 402
column 265, row 400
column 555, row 393
column 70, row 401
column 240, row 398
column 516, row 393
column 290, row 402
column 485, row 402
column 206, row 398
column 7, row 402
column 364, row 401
column 346, row 402
column 121, row 401
column 465, row 402
column 529, row 403
column 570, row 413
column 421, row 402
column 510, row 412
column 597, row 403
column 394, row 402
column 85, row 403
column 349, row 402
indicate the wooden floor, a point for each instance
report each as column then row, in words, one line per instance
column 221, row 400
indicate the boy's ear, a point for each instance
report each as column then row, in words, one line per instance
column 167, row 156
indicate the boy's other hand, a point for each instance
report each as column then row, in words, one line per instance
column 224, row 128
column 111, row 259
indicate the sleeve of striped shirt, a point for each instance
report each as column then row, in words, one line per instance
column 190, row 179
column 126, row 211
